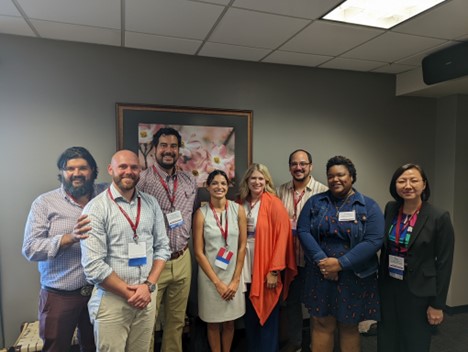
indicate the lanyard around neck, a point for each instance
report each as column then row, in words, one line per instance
column 166, row 187
column 409, row 224
column 133, row 225
column 297, row 199
column 224, row 232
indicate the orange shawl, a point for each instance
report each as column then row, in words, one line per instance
column 274, row 250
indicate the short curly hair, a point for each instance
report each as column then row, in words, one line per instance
column 342, row 160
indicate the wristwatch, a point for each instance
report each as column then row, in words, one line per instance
column 151, row 286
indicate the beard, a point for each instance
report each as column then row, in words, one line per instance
column 166, row 166
column 126, row 186
column 300, row 179
column 78, row 191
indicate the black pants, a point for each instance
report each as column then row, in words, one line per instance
column 404, row 326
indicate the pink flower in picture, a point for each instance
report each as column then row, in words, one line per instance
column 203, row 149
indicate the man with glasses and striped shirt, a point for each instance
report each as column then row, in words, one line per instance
column 294, row 194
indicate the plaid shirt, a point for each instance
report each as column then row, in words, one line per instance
column 54, row 214
column 286, row 194
column 184, row 200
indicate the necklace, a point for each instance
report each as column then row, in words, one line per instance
column 344, row 202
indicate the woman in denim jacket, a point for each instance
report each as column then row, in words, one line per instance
column 341, row 231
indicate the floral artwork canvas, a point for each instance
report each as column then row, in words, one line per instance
column 203, row 149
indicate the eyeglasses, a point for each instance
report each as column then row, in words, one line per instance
column 301, row 164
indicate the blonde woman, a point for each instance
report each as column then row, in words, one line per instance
column 269, row 253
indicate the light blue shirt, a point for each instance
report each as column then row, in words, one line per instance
column 52, row 215
column 106, row 249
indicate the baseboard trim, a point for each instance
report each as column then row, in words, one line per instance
column 457, row 309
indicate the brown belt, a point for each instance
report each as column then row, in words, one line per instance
column 177, row 254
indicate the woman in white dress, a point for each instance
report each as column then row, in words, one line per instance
column 220, row 237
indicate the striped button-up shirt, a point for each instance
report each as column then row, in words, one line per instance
column 184, row 200
column 286, row 194
column 54, row 214
column 107, row 247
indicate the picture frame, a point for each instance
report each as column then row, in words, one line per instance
column 211, row 138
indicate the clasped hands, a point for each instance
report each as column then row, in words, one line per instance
column 140, row 296
column 227, row 292
column 330, row 267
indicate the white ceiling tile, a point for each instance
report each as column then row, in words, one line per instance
column 174, row 18
column 233, row 51
column 255, row 29
column 76, row 33
column 298, row 8
column 7, row 8
column 102, row 13
column 299, row 59
column 160, row 43
column 15, row 25
column 391, row 47
column 448, row 21
column 330, row 38
column 351, row 64
column 394, row 68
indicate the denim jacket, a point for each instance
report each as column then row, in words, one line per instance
column 366, row 236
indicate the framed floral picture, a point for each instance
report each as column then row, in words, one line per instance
column 211, row 138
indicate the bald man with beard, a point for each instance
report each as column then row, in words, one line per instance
column 123, row 256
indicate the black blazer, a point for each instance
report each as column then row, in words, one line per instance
column 430, row 253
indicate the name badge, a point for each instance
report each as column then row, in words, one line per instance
column 251, row 226
column 396, row 267
column 347, row 216
column 174, row 219
column 223, row 258
column 293, row 226
column 137, row 253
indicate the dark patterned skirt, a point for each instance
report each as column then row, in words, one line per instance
column 350, row 299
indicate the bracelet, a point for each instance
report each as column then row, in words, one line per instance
column 274, row 272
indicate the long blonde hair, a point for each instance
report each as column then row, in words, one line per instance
column 244, row 190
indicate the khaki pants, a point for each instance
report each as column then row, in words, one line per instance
column 118, row 327
column 173, row 292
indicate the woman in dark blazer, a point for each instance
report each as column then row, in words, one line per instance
column 415, row 264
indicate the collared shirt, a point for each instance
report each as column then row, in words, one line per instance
column 106, row 249
column 286, row 194
column 184, row 200
column 52, row 215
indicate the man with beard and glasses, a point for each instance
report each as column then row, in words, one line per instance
column 123, row 256
column 175, row 191
column 53, row 231
column 294, row 195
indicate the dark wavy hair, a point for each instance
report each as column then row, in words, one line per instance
column 77, row 153
column 215, row 173
column 342, row 160
column 166, row 131
column 398, row 172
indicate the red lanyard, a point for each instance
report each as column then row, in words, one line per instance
column 410, row 224
column 224, row 232
column 166, row 187
column 134, row 226
column 251, row 206
column 297, row 200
